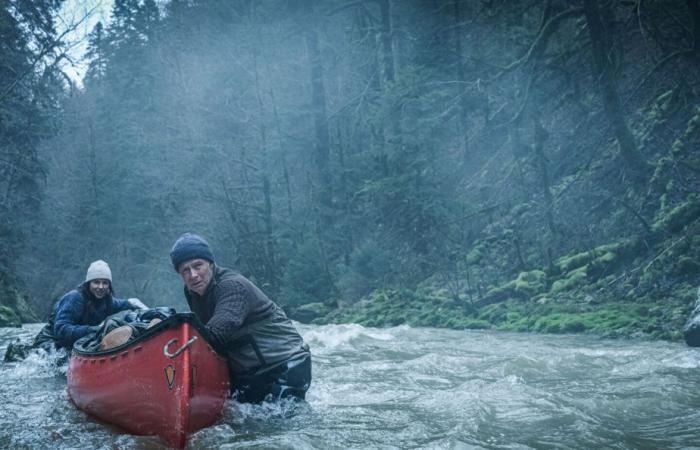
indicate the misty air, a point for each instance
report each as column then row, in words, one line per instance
column 334, row 224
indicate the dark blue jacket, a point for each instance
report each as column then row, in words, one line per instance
column 78, row 310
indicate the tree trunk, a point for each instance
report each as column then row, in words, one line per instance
column 322, row 141
column 393, row 133
column 385, row 37
column 540, row 138
column 611, row 100
column 461, row 78
column 694, row 9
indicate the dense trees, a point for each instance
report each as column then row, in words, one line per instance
column 30, row 93
column 331, row 150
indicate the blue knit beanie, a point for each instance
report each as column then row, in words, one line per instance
column 190, row 246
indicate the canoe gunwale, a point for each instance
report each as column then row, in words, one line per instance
column 168, row 323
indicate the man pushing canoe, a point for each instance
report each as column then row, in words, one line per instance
column 267, row 357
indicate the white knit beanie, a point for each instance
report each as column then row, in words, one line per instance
column 98, row 270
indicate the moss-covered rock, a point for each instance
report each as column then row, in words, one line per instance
column 8, row 318
column 475, row 255
column 530, row 283
column 13, row 300
column 572, row 280
column 573, row 261
column 638, row 285
column 309, row 312
column 604, row 254
column 690, row 135
column 681, row 215
column 655, row 115
column 391, row 307
column 524, row 287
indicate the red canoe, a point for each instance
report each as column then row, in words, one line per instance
column 168, row 382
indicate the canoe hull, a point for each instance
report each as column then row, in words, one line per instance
column 148, row 389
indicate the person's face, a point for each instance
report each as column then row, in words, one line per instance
column 99, row 288
column 196, row 273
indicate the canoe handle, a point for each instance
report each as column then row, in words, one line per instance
column 179, row 350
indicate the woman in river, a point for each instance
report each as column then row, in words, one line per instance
column 77, row 313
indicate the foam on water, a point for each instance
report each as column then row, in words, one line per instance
column 408, row 387
column 333, row 336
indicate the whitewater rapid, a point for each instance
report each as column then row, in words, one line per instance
column 402, row 387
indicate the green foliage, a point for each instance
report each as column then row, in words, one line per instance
column 306, row 279
column 31, row 89
column 370, row 265
column 359, row 181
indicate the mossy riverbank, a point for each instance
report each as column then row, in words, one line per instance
column 636, row 274
column 636, row 286
column 576, row 312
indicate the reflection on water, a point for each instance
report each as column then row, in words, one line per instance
column 414, row 388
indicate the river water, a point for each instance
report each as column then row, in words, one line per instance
column 404, row 387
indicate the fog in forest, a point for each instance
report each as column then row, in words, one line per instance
column 463, row 164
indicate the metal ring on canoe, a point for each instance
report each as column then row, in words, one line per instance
column 179, row 350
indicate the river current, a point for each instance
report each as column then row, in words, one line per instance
column 404, row 387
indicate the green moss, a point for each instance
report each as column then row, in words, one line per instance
column 530, row 283
column 493, row 313
column 466, row 323
column 525, row 286
column 687, row 266
column 517, row 321
column 656, row 114
column 611, row 320
column 603, row 254
column 689, row 136
column 475, row 256
column 389, row 307
column 590, row 298
column 309, row 312
column 563, row 184
column 573, row 279
column 560, row 323
column 500, row 293
column 12, row 299
column 8, row 318
column 602, row 265
column 572, row 261
column 682, row 214
column 607, row 258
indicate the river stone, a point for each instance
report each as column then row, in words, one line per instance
column 16, row 351
column 691, row 330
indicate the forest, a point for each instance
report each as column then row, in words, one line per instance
column 467, row 164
